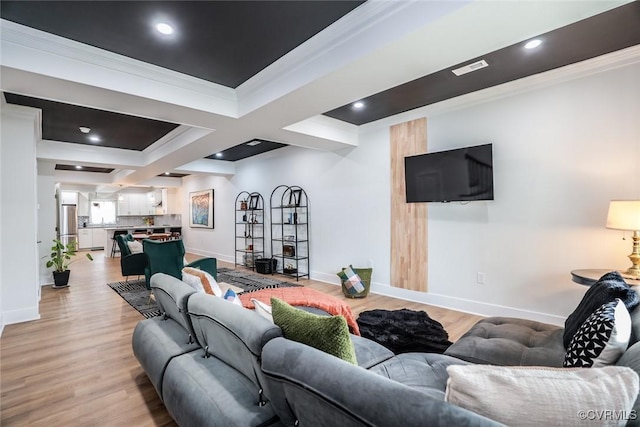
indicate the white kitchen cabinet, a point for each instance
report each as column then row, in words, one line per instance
column 91, row 238
column 133, row 204
column 69, row 198
column 173, row 202
column 83, row 205
column 97, row 238
column 159, row 202
column 85, row 238
column 137, row 203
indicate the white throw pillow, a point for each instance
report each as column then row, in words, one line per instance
column 135, row 247
column 201, row 281
column 539, row 396
column 602, row 338
column 263, row 309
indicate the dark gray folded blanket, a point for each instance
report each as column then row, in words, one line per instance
column 606, row 289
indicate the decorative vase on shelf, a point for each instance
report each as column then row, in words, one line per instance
column 243, row 205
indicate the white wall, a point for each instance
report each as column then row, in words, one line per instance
column 46, row 219
column 560, row 154
column 19, row 261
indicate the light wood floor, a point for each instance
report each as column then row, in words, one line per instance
column 75, row 366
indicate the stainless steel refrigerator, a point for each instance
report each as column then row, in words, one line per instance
column 68, row 224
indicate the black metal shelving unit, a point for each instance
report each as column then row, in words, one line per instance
column 289, row 206
column 249, row 228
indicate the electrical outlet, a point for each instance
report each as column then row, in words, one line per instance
column 480, row 278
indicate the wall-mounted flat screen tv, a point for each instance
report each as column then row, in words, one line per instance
column 464, row 174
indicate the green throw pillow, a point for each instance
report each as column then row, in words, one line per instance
column 327, row 333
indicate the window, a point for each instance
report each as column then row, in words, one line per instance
column 102, row 212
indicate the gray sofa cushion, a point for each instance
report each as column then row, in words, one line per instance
column 635, row 325
column 171, row 295
column 631, row 359
column 369, row 353
column 341, row 394
column 511, row 342
column 422, row 371
column 202, row 391
column 155, row 342
column 231, row 333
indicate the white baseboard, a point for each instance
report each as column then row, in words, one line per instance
column 204, row 253
column 18, row 316
column 452, row 303
column 1, row 324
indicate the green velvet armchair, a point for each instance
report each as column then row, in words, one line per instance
column 168, row 257
column 131, row 264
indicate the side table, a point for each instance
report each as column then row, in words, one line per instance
column 588, row 277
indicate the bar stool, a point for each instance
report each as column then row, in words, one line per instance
column 175, row 232
column 114, row 245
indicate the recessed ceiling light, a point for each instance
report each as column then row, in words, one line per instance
column 218, row 154
column 164, row 28
column 254, row 143
column 358, row 105
column 532, row 44
column 85, row 129
column 78, row 167
column 94, row 138
column 167, row 173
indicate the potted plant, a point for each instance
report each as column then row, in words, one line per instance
column 60, row 259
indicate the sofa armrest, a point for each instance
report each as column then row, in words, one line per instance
column 300, row 388
column 210, row 265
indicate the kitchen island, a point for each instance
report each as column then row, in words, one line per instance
column 108, row 235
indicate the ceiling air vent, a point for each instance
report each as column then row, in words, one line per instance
column 471, row 67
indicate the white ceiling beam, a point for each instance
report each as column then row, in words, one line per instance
column 213, row 167
column 88, row 155
column 375, row 47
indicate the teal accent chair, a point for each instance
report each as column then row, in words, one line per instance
column 168, row 257
column 131, row 264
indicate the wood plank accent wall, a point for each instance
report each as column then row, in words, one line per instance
column 408, row 220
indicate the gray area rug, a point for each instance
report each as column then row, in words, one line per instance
column 136, row 294
column 250, row 282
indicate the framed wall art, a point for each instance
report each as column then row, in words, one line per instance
column 201, row 209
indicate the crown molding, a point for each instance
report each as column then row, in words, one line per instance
column 31, row 43
column 362, row 31
column 600, row 64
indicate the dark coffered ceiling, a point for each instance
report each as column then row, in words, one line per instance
column 247, row 149
column 62, row 122
column 80, row 168
column 228, row 42
column 595, row 36
column 225, row 42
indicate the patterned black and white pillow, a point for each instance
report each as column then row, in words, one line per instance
column 601, row 339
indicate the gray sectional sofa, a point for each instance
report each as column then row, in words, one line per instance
column 214, row 363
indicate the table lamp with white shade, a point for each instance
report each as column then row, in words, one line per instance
column 625, row 215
